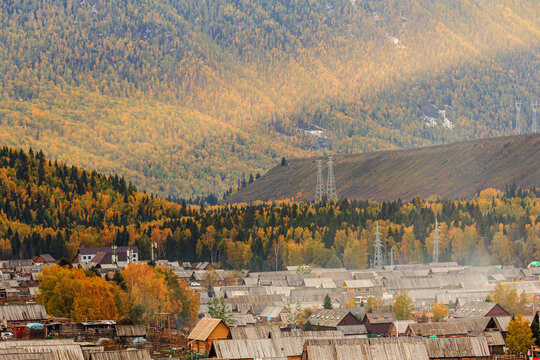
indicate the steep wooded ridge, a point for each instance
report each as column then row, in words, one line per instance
column 48, row 207
column 183, row 97
column 454, row 171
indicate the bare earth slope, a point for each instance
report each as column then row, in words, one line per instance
column 456, row 170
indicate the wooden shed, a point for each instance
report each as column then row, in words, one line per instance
column 130, row 332
column 14, row 314
column 205, row 332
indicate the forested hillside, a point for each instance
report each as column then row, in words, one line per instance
column 49, row 207
column 457, row 170
column 183, row 97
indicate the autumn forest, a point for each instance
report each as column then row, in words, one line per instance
column 47, row 206
column 185, row 97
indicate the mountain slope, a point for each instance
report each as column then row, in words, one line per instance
column 457, row 170
column 183, row 97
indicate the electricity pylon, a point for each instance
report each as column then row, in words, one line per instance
column 378, row 258
column 518, row 117
column 436, row 242
column 534, row 106
column 331, row 181
column 319, row 189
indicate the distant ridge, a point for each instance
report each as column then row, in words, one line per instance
column 456, row 170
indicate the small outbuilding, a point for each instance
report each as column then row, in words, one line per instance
column 205, row 332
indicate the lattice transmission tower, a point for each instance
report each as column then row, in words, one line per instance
column 436, row 242
column 319, row 189
column 518, row 117
column 534, row 106
column 331, row 181
column 378, row 261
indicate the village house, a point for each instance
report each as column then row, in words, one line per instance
column 380, row 324
column 205, row 333
column 121, row 255
column 330, row 319
column 46, row 259
column 480, row 309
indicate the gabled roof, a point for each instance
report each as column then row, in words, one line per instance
column 449, row 328
column 328, row 317
column 357, row 284
column 45, row 258
column 272, row 311
column 501, row 322
column 25, row 312
column 474, row 309
column 380, row 318
column 130, row 330
column 204, row 328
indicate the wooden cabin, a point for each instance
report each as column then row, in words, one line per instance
column 205, row 332
column 330, row 319
column 380, row 324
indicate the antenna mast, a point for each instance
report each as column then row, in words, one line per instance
column 378, row 262
column 534, row 106
column 319, row 190
column 518, row 117
column 331, row 181
column 436, row 242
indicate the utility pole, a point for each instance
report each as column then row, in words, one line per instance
column 534, row 106
column 319, row 189
column 436, row 242
column 331, row 181
column 378, row 258
column 518, row 117
column 392, row 258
